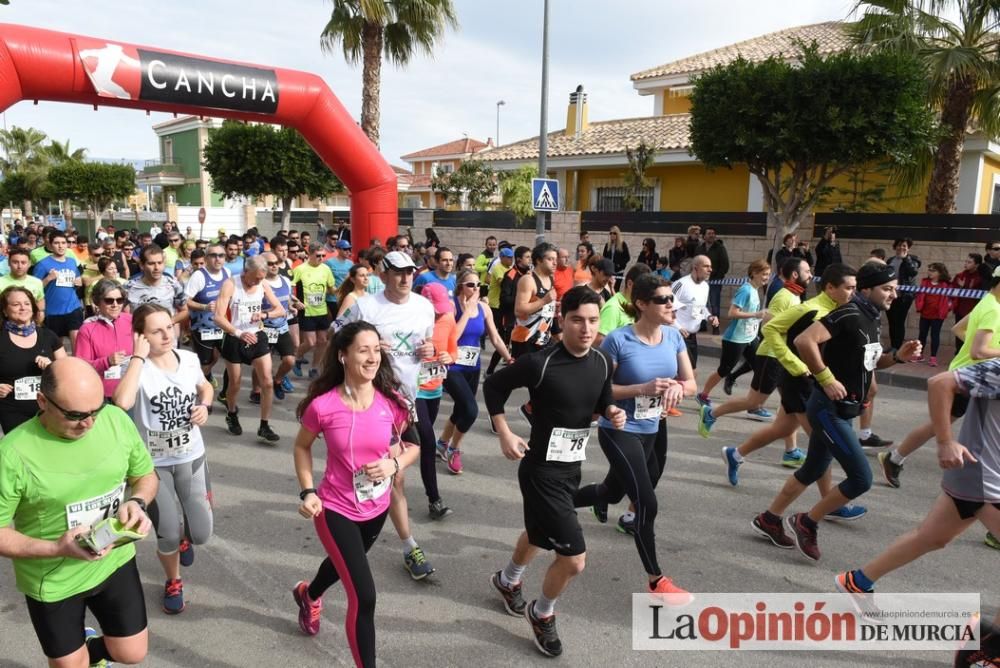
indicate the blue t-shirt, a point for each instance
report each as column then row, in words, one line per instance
column 60, row 294
column 341, row 269
column 744, row 330
column 638, row 362
column 431, row 277
column 235, row 268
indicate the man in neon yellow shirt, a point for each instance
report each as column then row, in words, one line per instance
column 19, row 262
column 317, row 282
column 61, row 472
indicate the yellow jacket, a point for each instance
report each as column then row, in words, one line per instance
column 776, row 331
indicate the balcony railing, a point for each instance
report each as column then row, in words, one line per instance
column 172, row 167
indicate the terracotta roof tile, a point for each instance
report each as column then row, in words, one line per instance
column 457, row 147
column 829, row 37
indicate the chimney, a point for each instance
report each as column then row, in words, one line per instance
column 576, row 115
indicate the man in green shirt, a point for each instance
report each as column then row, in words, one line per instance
column 613, row 313
column 482, row 265
column 317, row 282
column 61, row 472
column 20, row 262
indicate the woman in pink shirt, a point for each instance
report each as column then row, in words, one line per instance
column 355, row 404
column 105, row 340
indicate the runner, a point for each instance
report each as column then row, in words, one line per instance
column 155, row 286
column 581, row 271
column 167, row 394
column 691, row 296
column 60, row 275
column 567, row 383
column 234, row 261
column 279, row 337
column 316, row 281
column 202, row 291
column 535, row 304
column 79, row 455
column 562, row 276
column 444, row 265
column 405, row 322
column 353, row 288
column 26, row 349
column 602, row 277
column 240, row 315
column 651, row 373
column 615, row 312
column 843, row 371
column 462, row 381
column 483, row 261
column 970, row 484
column 105, row 340
column 19, row 263
column 338, row 259
column 499, row 268
column 356, row 387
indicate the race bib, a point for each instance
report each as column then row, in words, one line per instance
column 315, row 299
column 211, row 334
column 753, row 324
column 648, row 406
column 366, row 490
column 173, row 443
column 430, row 371
column 64, row 279
column 568, row 445
column 247, row 311
column 272, row 334
column 91, row 511
column 115, row 372
column 872, row 352
column 27, row 388
column 548, row 311
column 468, row 356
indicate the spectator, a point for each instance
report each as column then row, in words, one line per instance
column 584, row 237
column 933, row 309
column 647, row 255
column 970, row 278
column 790, row 248
column 713, row 248
column 562, row 277
column 907, row 269
column 483, row 264
column 677, row 253
column 616, row 250
column 991, row 259
column 663, row 269
column 878, row 254
column 432, row 238
column 692, row 242
column 827, row 251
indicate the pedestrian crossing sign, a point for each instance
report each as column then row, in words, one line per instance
column 545, row 194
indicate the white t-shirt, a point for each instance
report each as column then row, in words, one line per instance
column 403, row 326
column 162, row 410
column 154, row 230
column 692, row 303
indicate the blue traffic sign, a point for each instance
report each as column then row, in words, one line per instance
column 545, row 194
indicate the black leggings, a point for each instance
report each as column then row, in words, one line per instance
column 634, row 466
column 745, row 364
column 427, row 412
column 347, row 543
column 461, row 386
column 933, row 327
column 505, row 323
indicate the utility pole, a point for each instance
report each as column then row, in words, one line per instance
column 543, row 140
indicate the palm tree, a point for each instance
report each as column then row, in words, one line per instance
column 368, row 29
column 963, row 72
column 60, row 152
column 24, row 153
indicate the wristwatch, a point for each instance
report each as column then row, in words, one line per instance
column 137, row 501
column 306, row 492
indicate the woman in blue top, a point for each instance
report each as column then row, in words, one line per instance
column 462, row 382
column 745, row 317
column 652, row 374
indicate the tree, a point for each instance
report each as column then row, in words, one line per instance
column 368, row 29
column 24, row 153
column 471, row 185
column 259, row 160
column 97, row 184
column 515, row 191
column 639, row 160
column 962, row 71
column 797, row 126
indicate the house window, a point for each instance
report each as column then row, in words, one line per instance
column 612, row 199
column 168, row 151
column 996, row 199
column 446, row 168
column 413, row 202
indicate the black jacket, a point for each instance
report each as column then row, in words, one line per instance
column 826, row 254
column 718, row 255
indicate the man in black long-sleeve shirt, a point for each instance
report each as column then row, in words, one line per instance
column 568, row 383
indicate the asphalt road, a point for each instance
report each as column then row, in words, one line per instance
column 240, row 610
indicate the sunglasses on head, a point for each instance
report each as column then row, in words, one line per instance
column 110, row 301
column 470, row 284
column 662, row 299
column 74, row 416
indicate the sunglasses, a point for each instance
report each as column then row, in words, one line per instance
column 273, row 264
column 174, row 239
column 470, row 285
column 662, row 299
column 75, row 416
column 110, row 301
column 320, row 255
column 995, row 248
column 215, row 255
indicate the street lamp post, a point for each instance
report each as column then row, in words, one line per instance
column 543, row 140
column 500, row 103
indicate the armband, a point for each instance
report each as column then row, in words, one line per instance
column 825, row 377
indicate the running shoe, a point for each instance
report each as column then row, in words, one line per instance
column 992, row 541
column 863, row 600
column 544, row 631
column 847, row 513
column 705, row 420
column 761, row 414
column 703, row 399
column 846, row 585
column 313, row 373
column 874, row 441
column 732, row 465
column 793, row 459
column 727, row 385
column 932, row 361
column 670, row 593
column 437, row 510
column 233, row 423
column 805, row 538
column 265, row 433
column 890, row 469
column 90, row 633
column 454, row 461
column 297, row 368
column 310, row 611
column 416, row 564
column 279, row 391
column 222, row 398
column 441, row 448
column 214, row 382
column 600, row 511
column 187, row 552
column 673, row 412
column 513, row 600
column 773, row 531
column 173, row 597
column 255, row 398
column 626, row 526
column 286, row 385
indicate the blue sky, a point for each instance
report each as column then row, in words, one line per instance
column 495, row 54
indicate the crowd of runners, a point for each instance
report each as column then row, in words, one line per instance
column 109, row 371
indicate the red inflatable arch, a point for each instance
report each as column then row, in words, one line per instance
column 40, row 64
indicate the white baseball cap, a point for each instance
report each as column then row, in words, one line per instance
column 397, row 260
